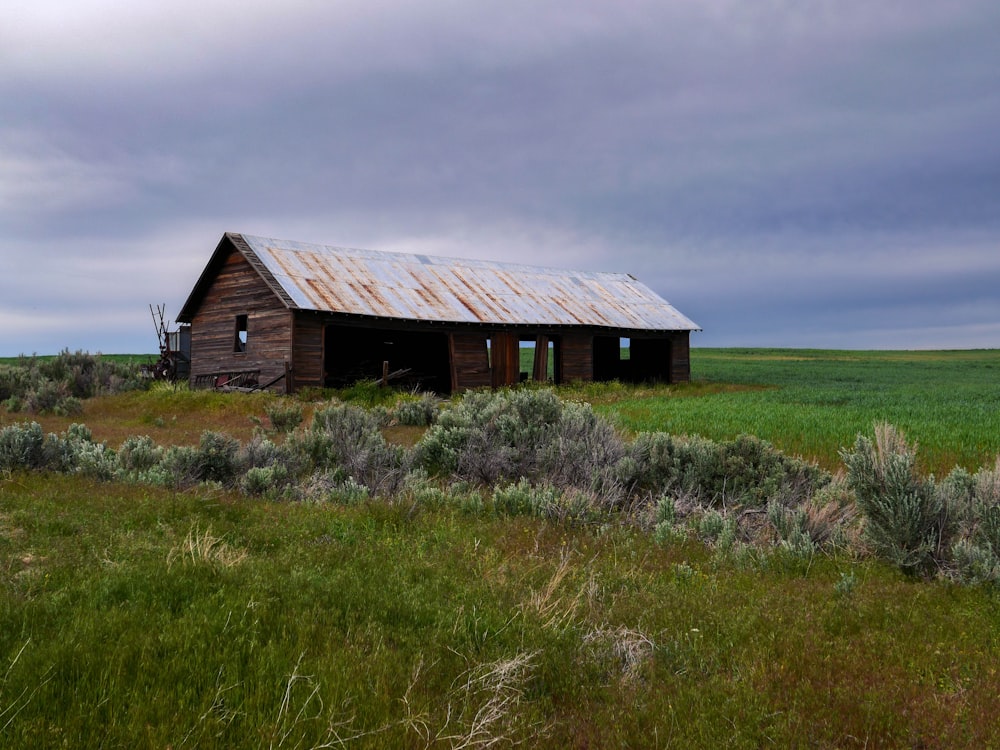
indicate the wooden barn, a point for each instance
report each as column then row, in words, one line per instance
column 286, row 315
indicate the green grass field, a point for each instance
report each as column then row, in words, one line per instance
column 812, row 403
column 137, row 358
column 135, row 616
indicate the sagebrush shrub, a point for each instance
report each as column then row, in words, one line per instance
column 419, row 412
column 259, row 451
column 138, row 454
column 179, row 468
column 504, row 436
column 348, row 438
column 490, row 436
column 904, row 516
column 284, row 416
column 791, row 527
column 521, row 498
column 746, row 471
column 22, row 447
column 45, row 396
column 217, row 457
column 334, row 487
column 13, row 383
column 976, row 554
column 80, row 454
column 584, row 452
column 59, row 384
column 265, row 480
column 711, row 525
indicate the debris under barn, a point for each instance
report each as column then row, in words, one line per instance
column 288, row 315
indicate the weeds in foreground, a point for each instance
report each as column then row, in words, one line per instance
column 526, row 453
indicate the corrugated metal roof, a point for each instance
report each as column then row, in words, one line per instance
column 452, row 290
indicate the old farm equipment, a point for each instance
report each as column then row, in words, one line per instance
column 175, row 349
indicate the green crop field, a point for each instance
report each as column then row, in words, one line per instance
column 124, row 358
column 812, row 403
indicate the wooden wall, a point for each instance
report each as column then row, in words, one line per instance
column 505, row 359
column 680, row 357
column 239, row 290
column 470, row 361
column 307, row 354
column 576, row 354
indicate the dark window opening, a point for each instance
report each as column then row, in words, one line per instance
column 631, row 359
column 240, row 340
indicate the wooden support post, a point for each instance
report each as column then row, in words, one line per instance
column 541, row 369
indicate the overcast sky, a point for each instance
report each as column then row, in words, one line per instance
column 804, row 173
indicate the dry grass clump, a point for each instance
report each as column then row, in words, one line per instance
column 204, row 548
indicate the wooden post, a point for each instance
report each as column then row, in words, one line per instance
column 385, row 373
column 541, row 369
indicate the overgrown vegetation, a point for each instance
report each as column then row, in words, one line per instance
column 58, row 385
column 526, row 452
column 524, row 573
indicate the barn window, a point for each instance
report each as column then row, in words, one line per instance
column 240, row 340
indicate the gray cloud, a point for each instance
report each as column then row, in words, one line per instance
column 820, row 173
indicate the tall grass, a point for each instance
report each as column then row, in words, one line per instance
column 146, row 617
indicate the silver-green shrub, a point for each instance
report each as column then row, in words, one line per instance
column 500, row 437
column 22, row 446
column 349, row 439
column 521, row 498
column 334, row 487
column 418, row 412
column 58, row 384
column 84, row 456
column 746, row 471
column 284, row 416
column 976, row 554
column 268, row 481
column 791, row 526
column 217, row 458
column 180, row 467
column 905, row 518
column 138, row 454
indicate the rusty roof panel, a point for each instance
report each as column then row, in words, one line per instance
column 452, row 290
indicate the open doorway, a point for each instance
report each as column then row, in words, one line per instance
column 417, row 359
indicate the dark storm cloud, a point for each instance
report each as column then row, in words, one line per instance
column 783, row 172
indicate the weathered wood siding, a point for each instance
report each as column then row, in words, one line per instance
column 540, row 366
column 307, row 354
column 239, row 290
column 505, row 359
column 470, row 361
column 576, row 354
column 680, row 357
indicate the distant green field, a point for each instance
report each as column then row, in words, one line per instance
column 114, row 357
column 812, row 402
